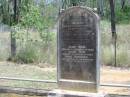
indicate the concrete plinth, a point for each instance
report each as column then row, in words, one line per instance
column 65, row 93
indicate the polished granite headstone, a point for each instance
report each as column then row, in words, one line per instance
column 78, row 50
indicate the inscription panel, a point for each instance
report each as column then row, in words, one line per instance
column 78, row 45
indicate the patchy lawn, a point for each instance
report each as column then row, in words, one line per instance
column 115, row 76
column 28, row 71
column 15, row 95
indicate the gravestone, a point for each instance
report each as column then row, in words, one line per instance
column 78, row 50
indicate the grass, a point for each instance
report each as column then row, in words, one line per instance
column 34, row 48
column 4, row 45
column 123, row 47
column 108, row 75
column 31, row 49
column 30, row 71
column 27, row 71
column 36, row 51
column 45, row 68
column 15, row 95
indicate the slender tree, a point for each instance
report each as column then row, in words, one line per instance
column 113, row 29
column 123, row 4
column 100, row 7
column 9, row 16
column 15, row 21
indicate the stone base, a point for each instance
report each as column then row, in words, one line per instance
column 65, row 93
column 80, row 86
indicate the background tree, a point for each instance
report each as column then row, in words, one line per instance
column 123, row 3
column 9, row 15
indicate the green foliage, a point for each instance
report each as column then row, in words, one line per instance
column 35, row 51
column 26, row 55
column 8, row 14
column 35, row 18
column 5, row 13
column 123, row 15
column 39, row 18
column 44, row 47
column 30, row 16
column 69, row 3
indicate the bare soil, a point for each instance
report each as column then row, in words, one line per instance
column 108, row 74
column 114, row 75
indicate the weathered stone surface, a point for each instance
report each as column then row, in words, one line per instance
column 64, row 93
column 78, row 53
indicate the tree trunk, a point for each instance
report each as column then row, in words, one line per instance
column 100, row 7
column 13, row 45
column 122, row 4
column 13, row 40
column 113, row 29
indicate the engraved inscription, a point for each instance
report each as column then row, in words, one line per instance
column 78, row 45
column 78, row 50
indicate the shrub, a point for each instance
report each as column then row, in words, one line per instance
column 122, row 15
column 26, row 55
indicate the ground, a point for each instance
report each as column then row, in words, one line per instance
column 33, row 71
column 115, row 76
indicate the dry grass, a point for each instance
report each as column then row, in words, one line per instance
column 31, row 71
column 15, row 95
column 123, row 47
column 108, row 75
column 115, row 76
column 4, row 45
column 42, row 71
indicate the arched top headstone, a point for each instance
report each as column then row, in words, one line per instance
column 79, row 10
column 78, row 49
